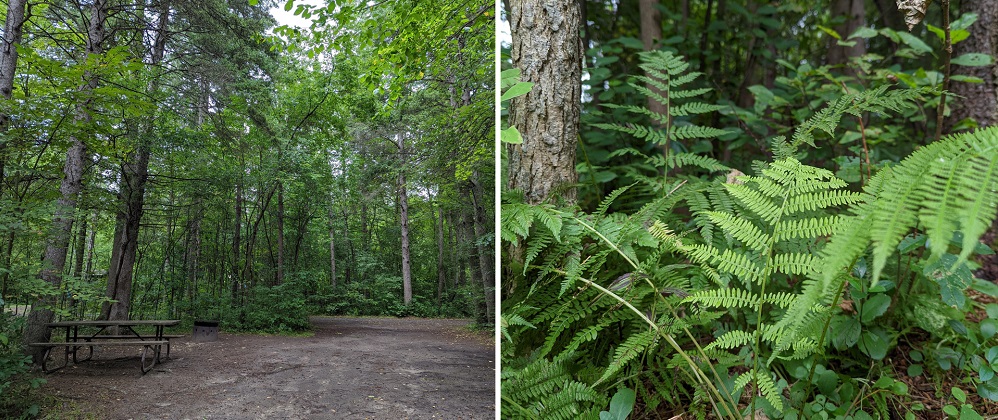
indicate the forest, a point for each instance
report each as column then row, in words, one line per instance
column 180, row 159
column 749, row 209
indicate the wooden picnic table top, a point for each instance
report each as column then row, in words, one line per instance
column 120, row 323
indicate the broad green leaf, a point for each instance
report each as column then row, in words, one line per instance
column 952, row 282
column 988, row 328
column 875, row 306
column 864, row 32
column 989, row 389
column 985, row 287
column 992, row 310
column 620, row 405
column 253, row 2
column 289, row 5
column 985, row 373
column 510, row 135
column 874, row 343
column 913, row 42
column 959, row 394
column 968, row 413
column 846, row 333
column 519, row 89
column 963, row 22
column 973, row 60
column 915, row 370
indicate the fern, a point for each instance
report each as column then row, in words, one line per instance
column 667, row 74
column 946, row 186
column 787, row 203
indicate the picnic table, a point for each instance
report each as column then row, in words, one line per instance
column 123, row 330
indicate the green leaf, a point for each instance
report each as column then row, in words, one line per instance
column 967, row 413
column 952, row 283
column 913, row 42
column 973, row 60
column 519, row 89
column 966, row 79
column 986, row 287
column 989, row 389
column 290, row 4
column 620, row 405
column 875, row 306
column 915, row 370
column 936, row 30
column 951, row 410
column 874, row 343
column 830, row 32
column 847, row 333
column 864, row 32
column 988, row 328
column 253, row 2
column 963, row 22
column 511, row 135
column 959, row 394
column 985, row 373
column 992, row 310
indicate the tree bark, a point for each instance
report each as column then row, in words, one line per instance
column 8, row 66
column 854, row 12
column 280, row 232
column 332, row 248
column 134, row 174
column 441, row 276
column 547, row 50
column 981, row 99
column 484, row 254
column 404, row 222
column 54, row 260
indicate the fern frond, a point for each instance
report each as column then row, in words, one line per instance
column 731, row 340
column 679, row 160
column 806, row 228
column 724, row 298
column 695, row 132
column 795, row 263
column 628, row 350
column 741, row 229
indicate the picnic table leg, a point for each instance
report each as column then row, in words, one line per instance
column 45, row 358
column 154, row 358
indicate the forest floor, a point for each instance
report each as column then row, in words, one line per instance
column 351, row 368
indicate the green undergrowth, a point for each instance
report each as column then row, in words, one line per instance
column 783, row 292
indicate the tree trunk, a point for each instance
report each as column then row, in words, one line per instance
column 54, row 260
column 332, row 248
column 134, row 174
column 547, row 50
column 236, row 232
column 854, row 12
column 8, row 66
column 404, row 222
column 484, row 256
column 441, row 276
column 280, row 232
column 981, row 99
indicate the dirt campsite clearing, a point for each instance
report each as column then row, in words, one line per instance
column 351, row 368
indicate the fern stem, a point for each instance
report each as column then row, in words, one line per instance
column 689, row 334
column 668, row 338
column 509, row 403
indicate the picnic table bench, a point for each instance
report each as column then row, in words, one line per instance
column 74, row 341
